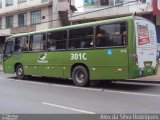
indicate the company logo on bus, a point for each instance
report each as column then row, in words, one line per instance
column 42, row 58
column 143, row 35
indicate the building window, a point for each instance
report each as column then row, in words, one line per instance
column 22, row 19
column 9, row 21
column 118, row 2
column 44, row 1
column 22, row 1
column 0, row 23
column 9, row 3
column 62, row 1
column 0, row 3
column 35, row 17
column 143, row 1
column 104, row 2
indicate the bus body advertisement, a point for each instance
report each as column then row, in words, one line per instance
column 146, row 43
column 115, row 49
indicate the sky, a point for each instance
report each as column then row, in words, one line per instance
column 78, row 5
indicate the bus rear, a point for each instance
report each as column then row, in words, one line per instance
column 146, row 47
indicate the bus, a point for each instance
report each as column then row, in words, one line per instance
column 114, row 49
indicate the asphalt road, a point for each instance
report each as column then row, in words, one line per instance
column 52, row 96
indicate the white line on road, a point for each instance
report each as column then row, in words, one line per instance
column 67, row 108
column 132, row 93
column 110, row 91
column 91, row 89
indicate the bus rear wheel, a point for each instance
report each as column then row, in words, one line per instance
column 20, row 72
column 80, row 76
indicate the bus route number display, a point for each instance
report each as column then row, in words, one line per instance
column 78, row 56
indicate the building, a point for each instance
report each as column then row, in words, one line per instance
column 92, row 10
column 20, row 16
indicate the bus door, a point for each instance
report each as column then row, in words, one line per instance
column 8, row 54
column 146, row 45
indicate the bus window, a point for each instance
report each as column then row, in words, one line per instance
column 81, row 38
column 111, row 35
column 8, row 49
column 38, row 42
column 57, row 39
column 21, row 44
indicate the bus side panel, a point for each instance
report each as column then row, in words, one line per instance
column 8, row 65
column 108, row 64
column 102, row 64
column 45, row 64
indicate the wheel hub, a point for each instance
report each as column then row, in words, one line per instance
column 20, row 71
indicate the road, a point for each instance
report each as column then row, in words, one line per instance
column 52, row 96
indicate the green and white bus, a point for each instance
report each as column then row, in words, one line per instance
column 115, row 49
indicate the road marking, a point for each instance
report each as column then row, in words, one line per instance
column 132, row 93
column 2, row 78
column 110, row 91
column 91, row 89
column 67, row 108
column 31, row 82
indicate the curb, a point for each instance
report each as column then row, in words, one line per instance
column 141, row 81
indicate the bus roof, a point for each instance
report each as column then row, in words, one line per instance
column 78, row 26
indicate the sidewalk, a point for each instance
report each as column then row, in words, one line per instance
column 154, row 78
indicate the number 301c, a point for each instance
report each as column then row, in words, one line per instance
column 78, row 56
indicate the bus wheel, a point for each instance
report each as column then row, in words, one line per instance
column 80, row 76
column 20, row 72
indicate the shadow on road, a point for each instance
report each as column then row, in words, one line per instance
column 114, row 85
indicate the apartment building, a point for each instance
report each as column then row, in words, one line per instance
column 20, row 16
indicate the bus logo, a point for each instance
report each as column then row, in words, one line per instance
column 109, row 52
column 42, row 58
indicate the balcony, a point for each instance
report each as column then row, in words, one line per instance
column 111, row 11
column 24, row 29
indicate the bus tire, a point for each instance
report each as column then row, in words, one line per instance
column 80, row 76
column 20, row 72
